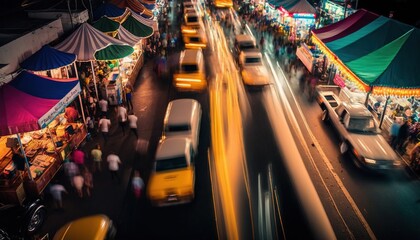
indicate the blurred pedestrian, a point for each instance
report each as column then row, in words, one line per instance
column 393, row 133
column 402, row 136
column 90, row 124
column 129, row 95
column 132, row 122
column 104, row 125
column 137, row 184
column 70, row 169
column 96, row 154
column 103, row 105
column 88, row 180
column 56, row 191
column 122, row 117
column 78, row 157
column 262, row 43
column 113, row 165
column 78, row 183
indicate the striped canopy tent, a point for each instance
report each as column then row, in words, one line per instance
column 30, row 102
column 91, row 44
column 106, row 25
column 127, row 37
column 149, row 4
column 137, row 28
column 48, row 58
column 135, row 6
column 297, row 6
column 111, row 11
column 379, row 55
column 146, row 21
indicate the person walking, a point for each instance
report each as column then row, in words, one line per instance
column 96, row 154
column 128, row 96
column 122, row 117
column 113, row 165
column 78, row 157
column 103, row 105
column 132, row 122
column 56, row 191
column 137, row 184
column 262, row 43
column 402, row 136
column 78, row 183
column 70, row 169
column 104, row 125
column 393, row 133
column 88, row 183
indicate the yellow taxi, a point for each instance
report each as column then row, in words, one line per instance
column 191, row 74
column 95, row 227
column 172, row 180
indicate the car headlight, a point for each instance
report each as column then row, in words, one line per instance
column 397, row 163
column 370, row 161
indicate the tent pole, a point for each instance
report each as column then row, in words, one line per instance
column 83, row 109
column 367, row 96
column 383, row 112
column 94, row 80
column 24, row 155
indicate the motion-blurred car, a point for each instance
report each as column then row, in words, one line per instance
column 191, row 73
column 183, row 119
column 95, row 227
column 253, row 70
column 244, row 43
column 22, row 220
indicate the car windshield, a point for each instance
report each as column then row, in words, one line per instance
column 189, row 68
column 245, row 46
column 192, row 19
column 252, row 60
column 365, row 124
column 178, row 128
column 171, row 164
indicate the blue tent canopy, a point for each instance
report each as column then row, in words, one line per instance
column 48, row 58
column 109, row 10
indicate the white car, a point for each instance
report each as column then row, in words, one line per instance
column 253, row 70
column 183, row 119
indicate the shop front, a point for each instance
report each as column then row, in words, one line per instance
column 35, row 142
column 376, row 61
column 334, row 11
column 299, row 24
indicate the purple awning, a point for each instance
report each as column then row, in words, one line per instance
column 345, row 27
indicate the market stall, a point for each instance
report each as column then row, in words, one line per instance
column 335, row 11
column 111, row 11
column 107, row 26
column 35, row 135
column 94, row 46
column 376, row 56
column 298, row 16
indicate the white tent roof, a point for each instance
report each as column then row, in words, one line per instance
column 86, row 41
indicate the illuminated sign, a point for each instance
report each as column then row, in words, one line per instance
column 303, row 15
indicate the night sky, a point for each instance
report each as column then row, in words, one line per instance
column 404, row 10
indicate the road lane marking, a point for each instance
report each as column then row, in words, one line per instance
column 326, row 161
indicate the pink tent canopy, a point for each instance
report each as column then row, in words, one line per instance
column 29, row 102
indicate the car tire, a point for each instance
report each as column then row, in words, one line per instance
column 324, row 116
column 35, row 219
column 344, row 147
